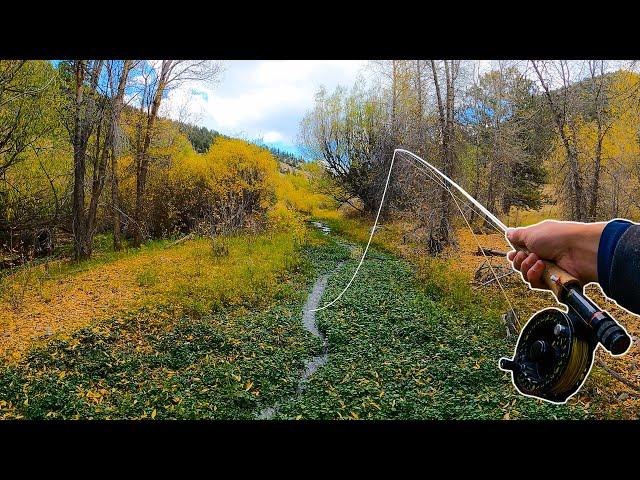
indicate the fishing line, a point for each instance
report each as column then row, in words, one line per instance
column 578, row 362
column 501, row 226
column 442, row 176
column 373, row 229
column 494, row 223
column 488, row 262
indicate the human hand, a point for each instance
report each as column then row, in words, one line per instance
column 570, row 245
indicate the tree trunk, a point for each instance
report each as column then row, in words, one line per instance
column 598, row 88
column 448, row 154
column 79, row 168
column 115, row 204
column 578, row 210
column 115, row 189
column 476, row 181
column 595, row 182
column 84, row 118
column 142, row 160
column 445, row 111
column 394, row 94
column 420, row 112
column 99, row 174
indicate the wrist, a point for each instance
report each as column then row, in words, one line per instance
column 584, row 243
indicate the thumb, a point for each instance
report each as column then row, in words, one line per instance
column 516, row 236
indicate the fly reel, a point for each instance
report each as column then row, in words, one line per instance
column 552, row 359
column 555, row 350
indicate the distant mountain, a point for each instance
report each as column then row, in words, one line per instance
column 284, row 157
column 201, row 138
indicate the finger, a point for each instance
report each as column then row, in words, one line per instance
column 511, row 255
column 527, row 263
column 516, row 236
column 519, row 258
column 534, row 275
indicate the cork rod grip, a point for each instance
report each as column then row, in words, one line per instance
column 558, row 279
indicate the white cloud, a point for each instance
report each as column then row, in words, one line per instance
column 260, row 96
column 272, row 137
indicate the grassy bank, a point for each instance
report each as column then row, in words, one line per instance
column 197, row 277
column 226, row 340
column 223, row 341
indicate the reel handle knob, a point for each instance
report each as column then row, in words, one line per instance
column 539, row 350
column 508, row 364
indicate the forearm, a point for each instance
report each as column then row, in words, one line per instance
column 607, row 253
column 583, row 246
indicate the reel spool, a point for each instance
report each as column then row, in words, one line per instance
column 552, row 357
column 555, row 350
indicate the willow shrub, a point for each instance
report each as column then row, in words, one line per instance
column 234, row 186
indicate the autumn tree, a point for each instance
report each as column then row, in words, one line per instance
column 26, row 89
column 348, row 132
column 501, row 110
column 156, row 80
column 606, row 137
column 563, row 104
column 31, row 197
column 445, row 75
column 95, row 97
column 117, row 77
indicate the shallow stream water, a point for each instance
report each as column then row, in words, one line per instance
column 309, row 324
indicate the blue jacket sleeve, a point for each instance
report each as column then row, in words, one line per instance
column 619, row 263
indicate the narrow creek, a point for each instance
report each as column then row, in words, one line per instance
column 309, row 324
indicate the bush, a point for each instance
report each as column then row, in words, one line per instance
column 228, row 188
column 235, row 185
column 241, row 179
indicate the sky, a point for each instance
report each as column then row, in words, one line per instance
column 265, row 100
column 261, row 99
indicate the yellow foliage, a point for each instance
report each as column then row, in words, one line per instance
column 280, row 218
column 620, row 148
column 297, row 193
column 230, row 168
column 236, row 166
column 235, row 179
column 185, row 278
column 191, row 276
column 327, row 213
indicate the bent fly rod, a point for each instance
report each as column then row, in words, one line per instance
column 555, row 349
